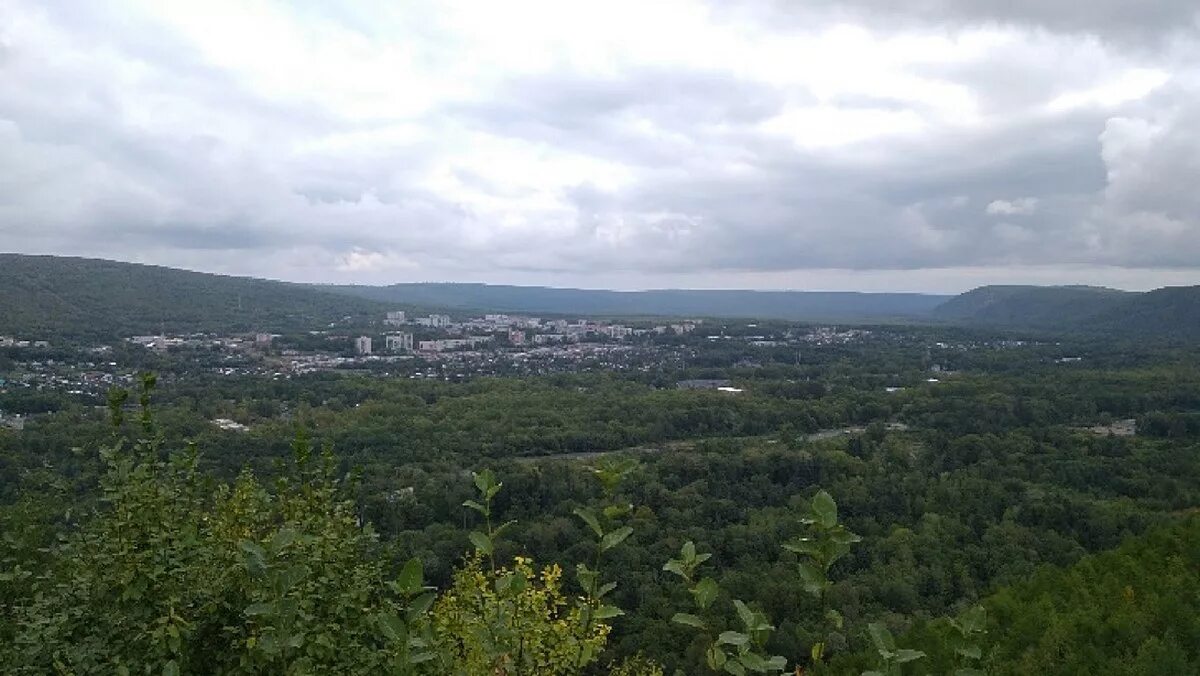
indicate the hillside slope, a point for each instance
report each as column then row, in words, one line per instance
column 1170, row 313
column 1129, row 611
column 796, row 305
column 97, row 298
column 1032, row 306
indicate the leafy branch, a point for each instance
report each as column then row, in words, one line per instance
column 485, row 542
column 826, row 542
column 734, row 652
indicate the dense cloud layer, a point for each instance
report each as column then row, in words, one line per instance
column 622, row 144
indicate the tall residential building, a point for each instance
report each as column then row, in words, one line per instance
column 362, row 345
column 395, row 318
column 516, row 336
column 399, row 342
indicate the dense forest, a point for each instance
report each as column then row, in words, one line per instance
column 972, row 521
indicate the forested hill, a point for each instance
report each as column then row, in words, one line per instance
column 1172, row 312
column 1032, row 306
column 795, row 305
column 97, row 298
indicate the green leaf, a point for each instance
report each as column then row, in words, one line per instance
column 688, row 551
column 715, row 657
column 747, row 616
column 471, row 504
column 519, row 582
column 969, row 671
column 813, row 580
column 844, row 537
column 971, row 650
column 502, row 583
column 614, row 538
column 502, row 527
column 688, row 619
column 420, row 605
column 904, row 655
column 835, row 618
column 605, row 589
column 259, row 609
column 254, row 556
column 824, row 509
column 293, row 576
column 777, row 663
column 872, row 673
column 836, row 551
column 753, row 661
column 393, row 628
column 608, row 612
column 733, row 667
column 589, row 517
column 705, row 592
column 733, row 638
column 287, row 607
column 805, row 546
column 283, row 538
column 617, row 511
column 881, row 637
column 411, row 577
column 674, row 566
column 171, row 668
column 973, row 620
column 587, row 577
column 483, row 544
column 484, row 480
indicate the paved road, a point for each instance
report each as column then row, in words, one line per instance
column 689, row 445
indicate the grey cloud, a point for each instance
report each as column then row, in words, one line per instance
column 709, row 190
column 1150, row 212
column 594, row 114
column 1130, row 24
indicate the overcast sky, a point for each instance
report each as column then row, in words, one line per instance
column 841, row 145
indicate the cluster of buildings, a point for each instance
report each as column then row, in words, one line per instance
column 447, row 344
column 230, row 425
column 401, row 342
column 15, row 422
column 161, row 342
column 9, row 341
column 77, row 375
column 514, row 330
column 830, row 335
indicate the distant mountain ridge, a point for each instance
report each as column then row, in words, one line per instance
column 87, row 297
column 98, row 298
column 1169, row 312
column 1034, row 306
column 793, row 305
